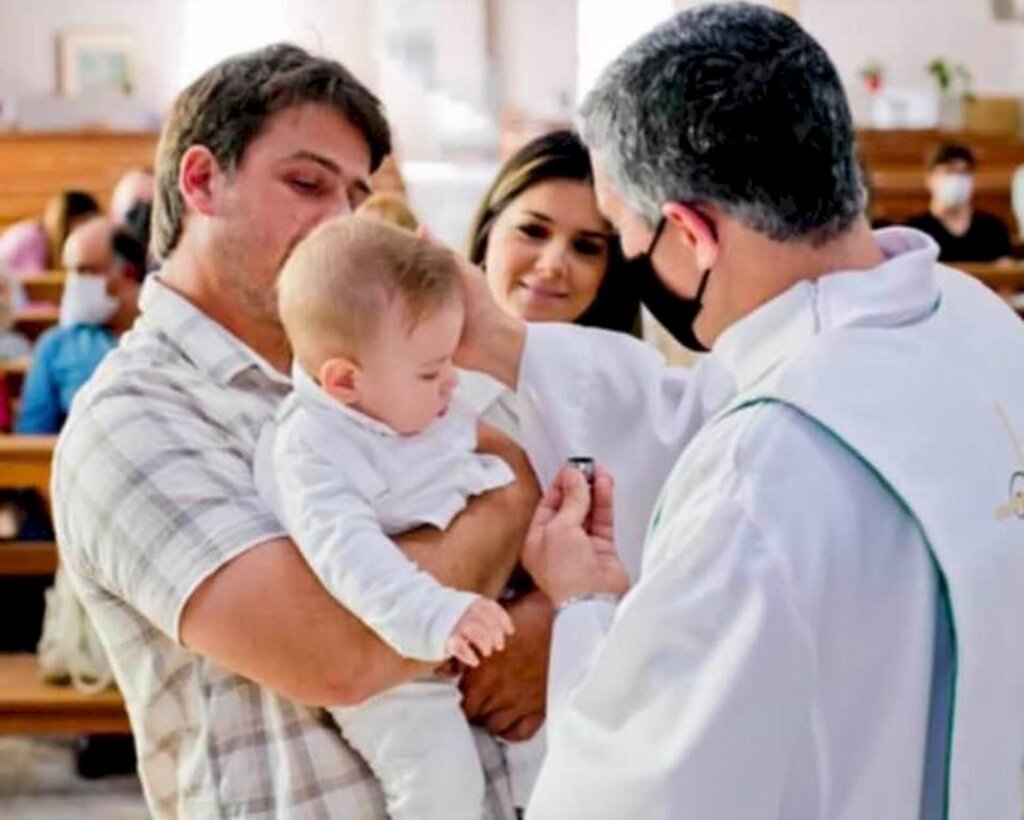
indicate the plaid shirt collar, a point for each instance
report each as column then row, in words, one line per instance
column 207, row 344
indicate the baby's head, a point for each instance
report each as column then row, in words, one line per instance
column 374, row 314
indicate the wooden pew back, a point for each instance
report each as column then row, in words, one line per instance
column 895, row 160
column 35, row 166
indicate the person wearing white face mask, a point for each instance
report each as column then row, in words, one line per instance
column 99, row 303
column 963, row 233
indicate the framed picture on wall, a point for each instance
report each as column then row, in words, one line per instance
column 91, row 60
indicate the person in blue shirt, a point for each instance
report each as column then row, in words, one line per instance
column 105, row 264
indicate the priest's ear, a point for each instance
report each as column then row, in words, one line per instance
column 340, row 377
column 695, row 229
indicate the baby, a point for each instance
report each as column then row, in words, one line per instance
column 370, row 444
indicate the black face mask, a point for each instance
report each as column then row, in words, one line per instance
column 675, row 313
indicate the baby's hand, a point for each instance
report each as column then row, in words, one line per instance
column 480, row 631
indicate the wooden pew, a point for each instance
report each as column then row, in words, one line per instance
column 35, row 166
column 31, row 707
column 13, row 374
column 27, row 558
column 35, row 320
column 28, row 705
column 895, row 160
column 1004, row 278
column 25, row 462
column 45, row 287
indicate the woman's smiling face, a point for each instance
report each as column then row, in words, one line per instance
column 548, row 252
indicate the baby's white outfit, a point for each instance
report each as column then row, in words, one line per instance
column 341, row 483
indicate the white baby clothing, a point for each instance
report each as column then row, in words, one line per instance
column 342, row 482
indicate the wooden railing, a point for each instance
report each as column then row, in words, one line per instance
column 35, row 166
column 36, row 319
column 28, row 705
column 895, row 161
column 1004, row 278
column 45, row 287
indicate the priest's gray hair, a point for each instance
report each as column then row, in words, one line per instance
column 733, row 105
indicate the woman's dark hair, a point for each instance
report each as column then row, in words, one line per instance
column 558, row 155
column 62, row 213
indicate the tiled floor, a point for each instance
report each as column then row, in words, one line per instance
column 38, row 782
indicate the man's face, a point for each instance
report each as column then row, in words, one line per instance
column 952, row 183
column 89, row 252
column 673, row 260
column 89, row 248
column 308, row 164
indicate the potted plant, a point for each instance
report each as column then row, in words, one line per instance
column 873, row 75
column 954, row 86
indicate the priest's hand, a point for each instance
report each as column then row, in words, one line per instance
column 567, row 555
column 492, row 340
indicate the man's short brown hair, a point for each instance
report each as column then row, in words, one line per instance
column 338, row 282
column 227, row 108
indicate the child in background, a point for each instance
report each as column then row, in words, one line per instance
column 368, row 445
column 388, row 206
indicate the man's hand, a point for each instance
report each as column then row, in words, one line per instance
column 480, row 632
column 507, row 693
column 564, row 558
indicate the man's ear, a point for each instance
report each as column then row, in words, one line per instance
column 695, row 231
column 197, row 174
column 340, row 377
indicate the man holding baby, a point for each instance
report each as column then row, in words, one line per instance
column 223, row 641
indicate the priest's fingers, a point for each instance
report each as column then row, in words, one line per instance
column 575, row 499
column 602, row 517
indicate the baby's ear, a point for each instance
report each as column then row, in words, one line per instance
column 340, row 378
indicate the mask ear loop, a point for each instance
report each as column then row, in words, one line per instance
column 699, row 298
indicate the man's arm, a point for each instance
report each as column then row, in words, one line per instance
column 265, row 615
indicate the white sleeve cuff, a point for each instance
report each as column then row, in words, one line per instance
column 443, row 621
column 578, row 633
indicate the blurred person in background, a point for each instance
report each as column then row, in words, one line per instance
column 131, row 204
column 964, row 234
column 34, row 246
column 105, row 266
column 390, row 206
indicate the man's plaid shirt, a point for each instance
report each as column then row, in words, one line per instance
column 153, row 492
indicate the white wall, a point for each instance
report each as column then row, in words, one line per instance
column 902, row 35
column 461, row 50
column 537, row 45
column 606, row 29
column 905, row 35
column 28, row 42
column 176, row 39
